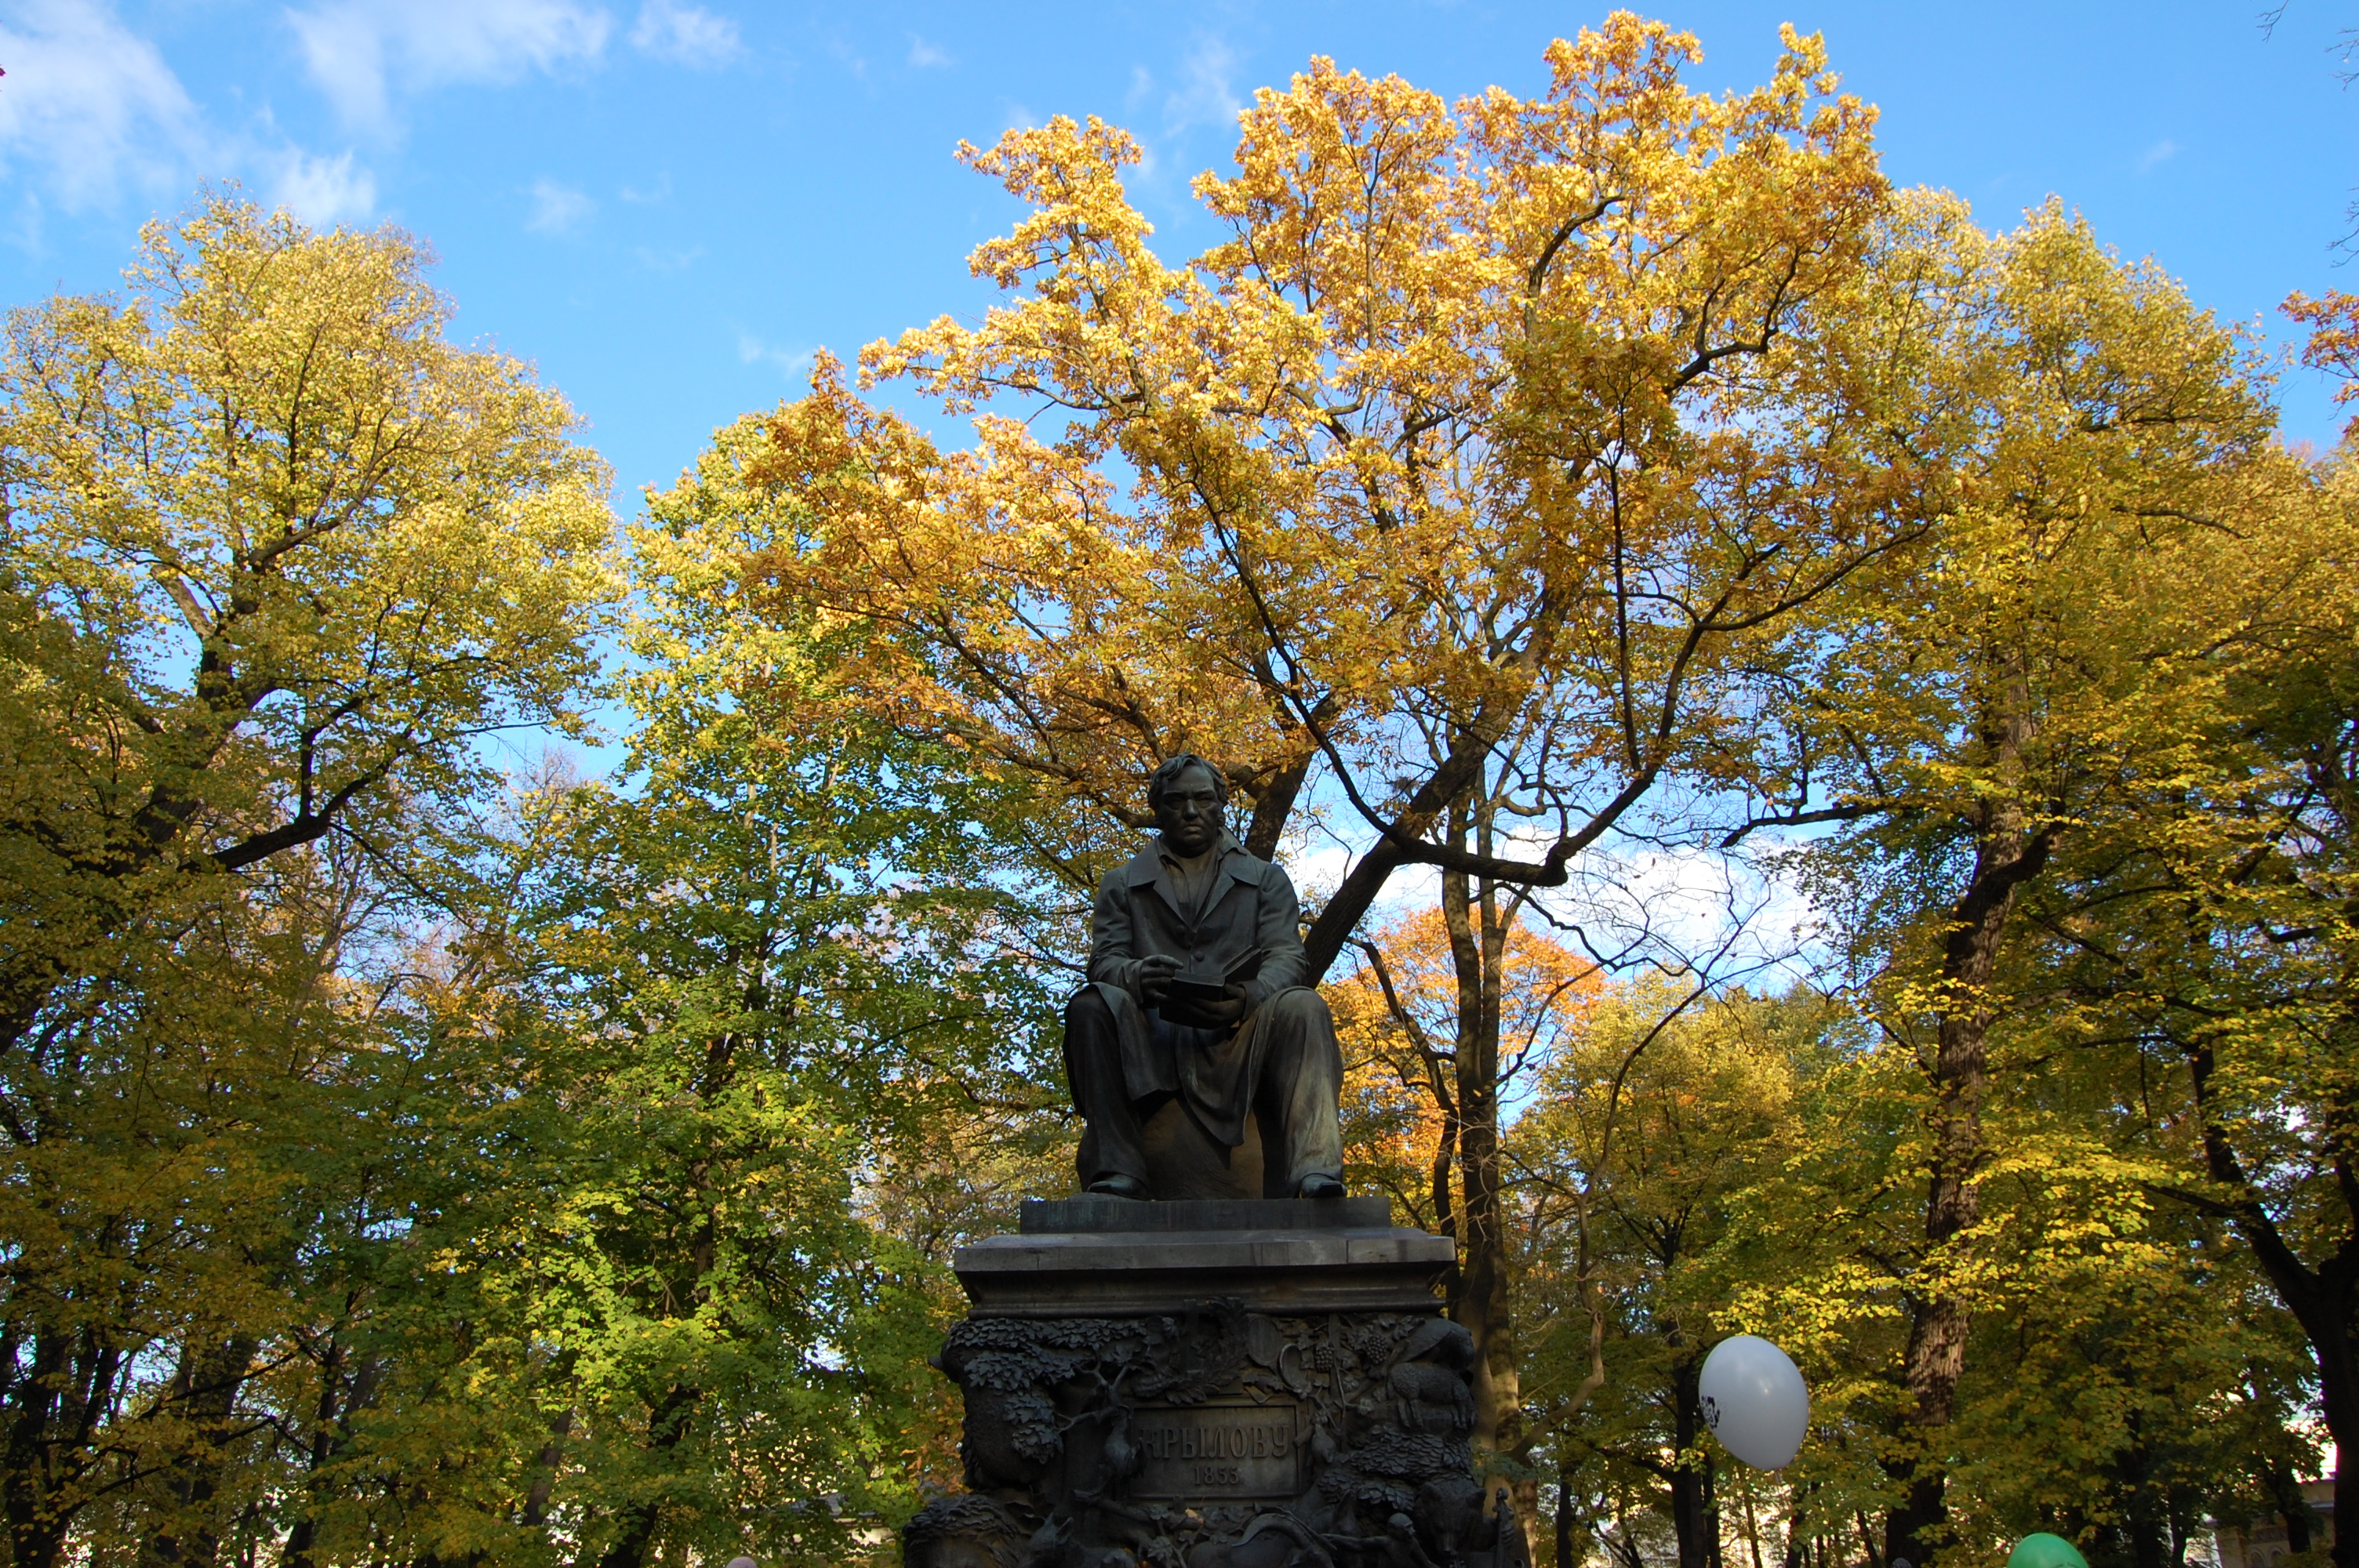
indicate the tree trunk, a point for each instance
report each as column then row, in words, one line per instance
column 206, row 1385
column 1622, row 1544
column 1273, row 806
column 2324, row 1301
column 35, row 1529
column 2007, row 856
column 666, row 1427
column 1484, row 1303
column 1695, row 1514
column 1565, row 1553
column 2286, row 1488
column 331, row 1429
column 1867, row 1542
column 59, row 1407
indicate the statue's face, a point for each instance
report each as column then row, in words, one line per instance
column 1190, row 813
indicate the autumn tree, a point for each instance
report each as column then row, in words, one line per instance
column 774, row 973
column 2126, row 1373
column 2333, row 343
column 1405, row 1006
column 276, row 554
column 1465, row 1002
column 1465, row 484
column 1663, row 1110
column 2232, row 973
column 1993, row 705
column 635, row 1243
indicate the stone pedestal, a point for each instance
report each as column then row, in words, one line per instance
column 1234, row 1383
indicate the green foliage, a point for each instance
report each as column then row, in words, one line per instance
column 775, row 963
column 1751, row 1166
column 396, row 1173
column 273, row 556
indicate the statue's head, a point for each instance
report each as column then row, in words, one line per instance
column 1188, row 796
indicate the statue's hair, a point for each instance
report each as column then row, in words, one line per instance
column 1169, row 775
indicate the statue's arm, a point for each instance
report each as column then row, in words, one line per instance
column 1114, row 954
column 1284, row 964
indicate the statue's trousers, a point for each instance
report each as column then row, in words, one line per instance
column 1281, row 1062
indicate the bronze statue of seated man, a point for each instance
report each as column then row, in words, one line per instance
column 1196, row 992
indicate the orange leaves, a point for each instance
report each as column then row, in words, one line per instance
column 2334, row 346
column 1544, row 990
column 1400, row 1021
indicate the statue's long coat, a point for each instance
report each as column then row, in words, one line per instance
column 1140, row 914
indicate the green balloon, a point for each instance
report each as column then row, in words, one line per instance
column 2042, row 1549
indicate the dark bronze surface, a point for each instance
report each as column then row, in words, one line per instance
column 1065, row 1217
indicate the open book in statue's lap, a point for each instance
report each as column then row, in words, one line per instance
column 1197, row 1008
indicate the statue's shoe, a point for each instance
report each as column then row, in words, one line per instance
column 1319, row 1187
column 1124, row 1187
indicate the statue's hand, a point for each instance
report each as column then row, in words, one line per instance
column 1218, row 1014
column 1230, row 1007
column 1155, row 972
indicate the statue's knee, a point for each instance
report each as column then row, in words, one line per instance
column 1088, row 1010
column 1301, row 1005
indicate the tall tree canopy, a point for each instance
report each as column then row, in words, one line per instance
column 1470, row 484
column 274, row 557
column 403, row 1162
column 1500, row 428
column 1989, row 710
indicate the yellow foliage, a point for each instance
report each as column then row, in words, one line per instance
column 274, row 555
column 1513, row 417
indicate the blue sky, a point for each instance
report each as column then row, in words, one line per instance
column 668, row 205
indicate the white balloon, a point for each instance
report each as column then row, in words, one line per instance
column 1754, row 1401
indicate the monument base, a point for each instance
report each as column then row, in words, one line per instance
column 1229, row 1384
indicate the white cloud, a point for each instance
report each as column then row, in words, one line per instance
column 92, row 104
column 358, row 50
column 322, row 191
column 2159, row 153
column 89, row 106
column 558, row 209
column 686, row 35
column 851, row 58
column 923, row 55
column 1731, row 917
column 1728, row 914
column 1204, row 96
column 752, row 350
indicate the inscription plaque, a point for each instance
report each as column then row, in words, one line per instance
column 1215, row 1451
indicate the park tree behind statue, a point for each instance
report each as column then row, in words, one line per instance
column 2234, row 977
column 1661, row 1110
column 1463, row 486
column 773, row 981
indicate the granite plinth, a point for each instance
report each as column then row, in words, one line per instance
column 1228, row 1382
column 1114, row 1256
